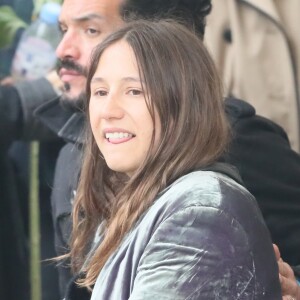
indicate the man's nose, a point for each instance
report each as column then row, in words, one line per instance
column 68, row 47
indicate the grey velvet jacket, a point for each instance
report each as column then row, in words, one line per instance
column 203, row 238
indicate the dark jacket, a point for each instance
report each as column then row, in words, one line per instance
column 13, row 239
column 14, row 257
column 203, row 238
column 14, row 187
column 271, row 172
column 67, row 124
column 19, row 120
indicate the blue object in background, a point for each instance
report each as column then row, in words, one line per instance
column 24, row 9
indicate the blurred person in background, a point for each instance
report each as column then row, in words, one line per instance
column 256, row 47
column 15, row 16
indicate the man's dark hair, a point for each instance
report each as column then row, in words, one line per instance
column 191, row 13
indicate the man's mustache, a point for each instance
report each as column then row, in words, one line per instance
column 71, row 65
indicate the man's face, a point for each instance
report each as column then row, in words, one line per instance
column 84, row 24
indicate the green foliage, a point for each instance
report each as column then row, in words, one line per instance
column 9, row 24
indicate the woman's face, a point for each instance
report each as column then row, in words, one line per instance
column 120, row 120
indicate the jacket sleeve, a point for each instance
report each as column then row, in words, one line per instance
column 270, row 170
column 197, row 253
column 17, row 106
column 10, row 115
column 31, row 95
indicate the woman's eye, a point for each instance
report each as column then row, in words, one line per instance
column 135, row 92
column 101, row 93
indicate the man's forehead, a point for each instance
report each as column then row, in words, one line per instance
column 91, row 9
column 87, row 16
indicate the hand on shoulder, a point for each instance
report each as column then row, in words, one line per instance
column 289, row 287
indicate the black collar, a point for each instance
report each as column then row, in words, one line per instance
column 65, row 123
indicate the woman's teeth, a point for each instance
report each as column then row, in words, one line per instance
column 118, row 135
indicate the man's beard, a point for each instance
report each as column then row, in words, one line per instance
column 72, row 103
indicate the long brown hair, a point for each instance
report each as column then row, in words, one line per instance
column 185, row 90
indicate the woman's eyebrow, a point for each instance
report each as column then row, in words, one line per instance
column 125, row 79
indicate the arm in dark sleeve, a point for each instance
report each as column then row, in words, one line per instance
column 17, row 105
column 32, row 94
column 10, row 115
column 270, row 170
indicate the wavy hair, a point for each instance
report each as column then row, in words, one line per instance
column 185, row 90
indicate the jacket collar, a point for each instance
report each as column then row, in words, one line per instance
column 237, row 109
column 65, row 123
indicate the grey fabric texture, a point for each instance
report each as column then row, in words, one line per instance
column 203, row 238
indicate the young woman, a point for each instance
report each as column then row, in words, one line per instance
column 152, row 220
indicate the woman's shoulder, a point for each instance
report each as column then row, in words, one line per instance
column 206, row 190
column 207, row 225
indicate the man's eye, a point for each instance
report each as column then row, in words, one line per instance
column 62, row 30
column 92, row 31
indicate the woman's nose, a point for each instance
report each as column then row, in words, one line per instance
column 111, row 108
